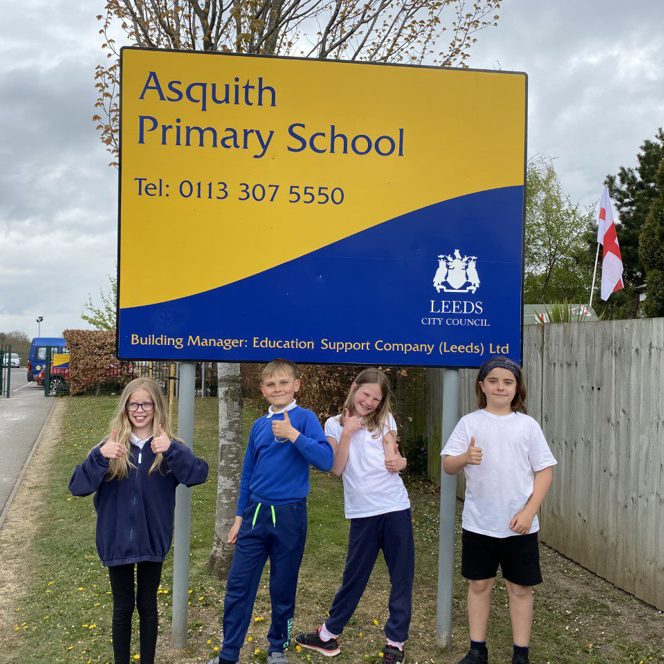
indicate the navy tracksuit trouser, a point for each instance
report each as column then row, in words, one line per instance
column 279, row 533
column 393, row 534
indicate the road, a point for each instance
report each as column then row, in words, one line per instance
column 22, row 417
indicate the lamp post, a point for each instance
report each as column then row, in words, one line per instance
column 39, row 322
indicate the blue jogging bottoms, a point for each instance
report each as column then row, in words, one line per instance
column 279, row 533
column 393, row 534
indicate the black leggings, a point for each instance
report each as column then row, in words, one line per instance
column 148, row 576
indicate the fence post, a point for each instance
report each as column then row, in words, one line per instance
column 9, row 371
column 47, row 371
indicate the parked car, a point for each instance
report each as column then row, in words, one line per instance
column 11, row 361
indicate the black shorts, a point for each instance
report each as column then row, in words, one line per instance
column 517, row 556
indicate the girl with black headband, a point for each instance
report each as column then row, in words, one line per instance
column 509, row 469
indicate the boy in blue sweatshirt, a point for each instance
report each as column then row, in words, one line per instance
column 271, row 516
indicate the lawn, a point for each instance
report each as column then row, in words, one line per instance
column 61, row 606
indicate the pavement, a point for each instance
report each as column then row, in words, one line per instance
column 22, row 417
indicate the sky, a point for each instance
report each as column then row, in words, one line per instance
column 595, row 86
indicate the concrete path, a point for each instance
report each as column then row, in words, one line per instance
column 22, row 417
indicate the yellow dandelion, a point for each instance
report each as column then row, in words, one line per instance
column 137, row 657
column 216, row 648
column 375, row 621
column 257, row 651
column 250, row 639
column 81, row 588
column 298, row 648
column 209, row 641
column 259, row 619
column 70, row 647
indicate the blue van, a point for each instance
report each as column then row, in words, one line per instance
column 37, row 356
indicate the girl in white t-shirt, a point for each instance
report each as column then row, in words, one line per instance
column 509, row 469
column 368, row 460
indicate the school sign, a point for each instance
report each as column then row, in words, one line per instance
column 323, row 211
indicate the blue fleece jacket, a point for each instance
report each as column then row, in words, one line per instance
column 135, row 514
column 276, row 473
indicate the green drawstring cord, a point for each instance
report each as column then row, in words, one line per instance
column 258, row 509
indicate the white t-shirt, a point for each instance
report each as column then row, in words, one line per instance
column 513, row 449
column 369, row 488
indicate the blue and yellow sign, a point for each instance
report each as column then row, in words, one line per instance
column 323, row 211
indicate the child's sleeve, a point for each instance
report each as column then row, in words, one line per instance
column 333, row 428
column 458, row 441
column 87, row 476
column 313, row 445
column 187, row 468
column 390, row 424
column 247, row 472
column 539, row 453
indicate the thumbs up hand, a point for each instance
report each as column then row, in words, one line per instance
column 112, row 449
column 161, row 442
column 474, row 453
column 352, row 423
column 284, row 429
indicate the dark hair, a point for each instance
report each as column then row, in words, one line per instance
column 277, row 365
column 499, row 362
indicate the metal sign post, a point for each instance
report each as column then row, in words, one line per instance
column 183, row 511
column 447, row 513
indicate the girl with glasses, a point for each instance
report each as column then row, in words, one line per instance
column 133, row 473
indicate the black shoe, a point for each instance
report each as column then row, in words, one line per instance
column 313, row 641
column 393, row 655
column 476, row 657
column 520, row 659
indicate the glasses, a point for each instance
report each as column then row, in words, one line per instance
column 147, row 406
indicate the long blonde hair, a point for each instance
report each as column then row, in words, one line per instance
column 375, row 422
column 119, row 468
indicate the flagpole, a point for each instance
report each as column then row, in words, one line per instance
column 592, row 288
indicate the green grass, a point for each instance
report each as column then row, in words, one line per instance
column 63, row 613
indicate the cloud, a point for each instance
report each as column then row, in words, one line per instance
column 58, row 200
column 595, row 81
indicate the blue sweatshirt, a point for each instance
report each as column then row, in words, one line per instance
column 135, row 514
column 278, row 473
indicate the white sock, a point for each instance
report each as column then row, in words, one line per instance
column 325, row 635
column 395, row 644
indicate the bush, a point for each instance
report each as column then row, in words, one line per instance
column 93, row 364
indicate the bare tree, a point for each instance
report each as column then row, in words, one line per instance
column 434, row 32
